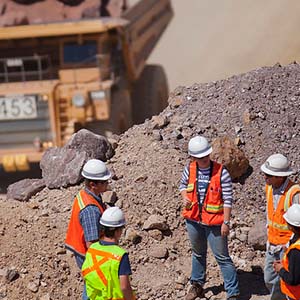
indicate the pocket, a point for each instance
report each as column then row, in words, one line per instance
column 215, row 195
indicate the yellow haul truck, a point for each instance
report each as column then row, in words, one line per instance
column 57, row 78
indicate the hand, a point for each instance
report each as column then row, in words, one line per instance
column 188, row 204
column 277, row 265
column 224, row 230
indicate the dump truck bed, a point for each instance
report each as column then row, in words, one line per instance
column 147, row 20
column 61, row 29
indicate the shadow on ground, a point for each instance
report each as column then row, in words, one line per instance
column 251, row 285
column 8, row 178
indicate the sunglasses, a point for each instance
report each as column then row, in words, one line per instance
column 268, row 176
column 102, row 182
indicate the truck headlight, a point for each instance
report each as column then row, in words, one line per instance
column 78, row 100
column 98, row 95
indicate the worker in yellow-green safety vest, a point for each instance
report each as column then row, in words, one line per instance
column 106, row 268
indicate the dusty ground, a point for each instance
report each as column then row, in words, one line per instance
column 260, row 107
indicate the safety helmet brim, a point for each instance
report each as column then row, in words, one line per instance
column 113, row 224
column 291, row 222
column 266, row 170
column 107, row 175
column 202, row 154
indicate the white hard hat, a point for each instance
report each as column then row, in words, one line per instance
column 277, row 165
column 199, row 147
column 113, row 217
column 95, row 169
column 292, row 216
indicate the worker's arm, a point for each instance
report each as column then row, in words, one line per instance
column 224, row 227
column 183, row 186
column 89, row 220
column 292, row 276
column 187, row 203
column 126, row 287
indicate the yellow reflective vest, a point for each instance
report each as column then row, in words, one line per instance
column 100, row 272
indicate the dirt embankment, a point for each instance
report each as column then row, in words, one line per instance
column 260, row 107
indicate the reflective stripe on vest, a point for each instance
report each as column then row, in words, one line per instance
column 100, row 271
column 292, row 291
column 213, row 205
column 80, row 201
column 278, row 232
column 75, row 236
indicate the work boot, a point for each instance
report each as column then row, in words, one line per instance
column 195, row 290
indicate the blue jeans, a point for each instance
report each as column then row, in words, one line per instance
column 79, row 261
column 199, row 235
column 271, row 278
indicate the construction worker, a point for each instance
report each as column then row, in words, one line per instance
column 281, row 193
column 106, row 268
column 288, row 269
column 206, row 191
column 87, row 209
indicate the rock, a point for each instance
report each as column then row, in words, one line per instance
column 156, row 234
column 21, row 12
column 45, row 297
column 158, row 252
column 110, row 197
column 159, row 122
column 234, row 159
column 257, row 236
column 24, row 189
column 155, row 222
column 61, row 167
column 133, row 236
column 33, row 287
column 11, row 275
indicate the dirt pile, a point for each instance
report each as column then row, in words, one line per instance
column 23, row 12
column 258, row 109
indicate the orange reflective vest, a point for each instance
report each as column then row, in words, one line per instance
column 278, row 232
column 212, row 210
column 75, row 236
column 100, row 272
column 293, row 291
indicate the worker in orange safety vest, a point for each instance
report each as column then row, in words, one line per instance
column 84, row 226
column 206, row 191
column 288, row 269
column 281, row 193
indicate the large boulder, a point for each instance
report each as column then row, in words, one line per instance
column 227, row 153
column 24, row 189
column 61, row 167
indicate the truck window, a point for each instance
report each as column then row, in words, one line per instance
column 78, row 53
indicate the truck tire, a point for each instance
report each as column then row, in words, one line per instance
column 150, row 93
column 121, row 114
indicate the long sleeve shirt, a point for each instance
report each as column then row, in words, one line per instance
column 90, row 218
column 203, row 181
column 292, row 276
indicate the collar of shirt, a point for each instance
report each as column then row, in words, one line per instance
column 105, row 243
column 97, row 197
column 281, row 189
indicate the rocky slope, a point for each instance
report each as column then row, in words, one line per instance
column 258, row 109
